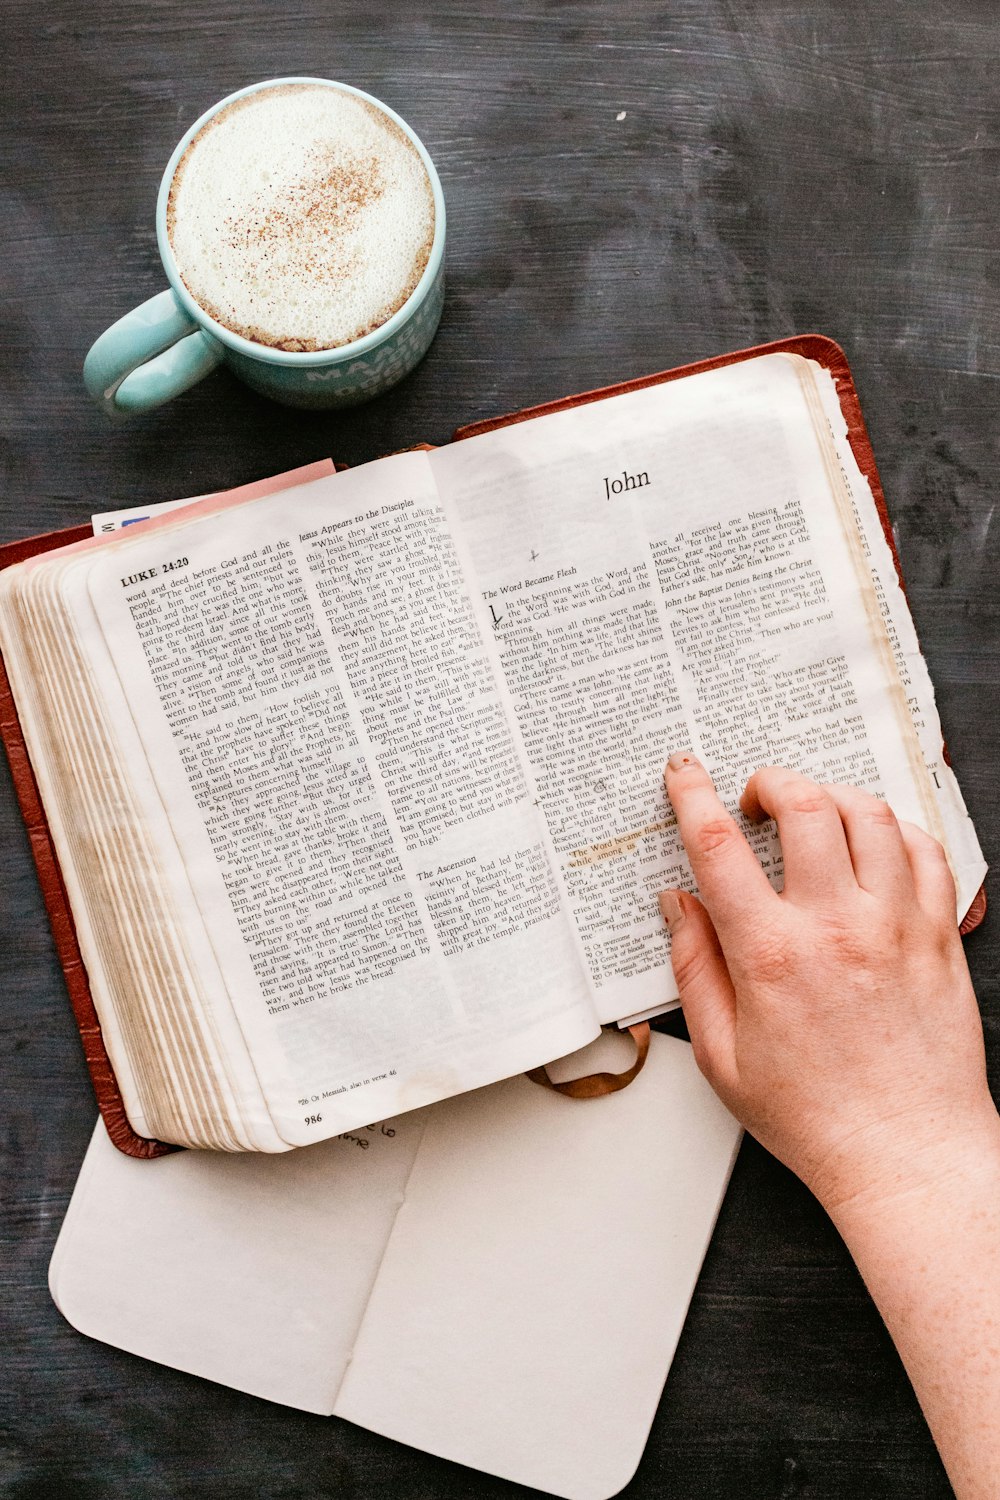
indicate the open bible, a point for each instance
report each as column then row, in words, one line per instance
column 355, row 788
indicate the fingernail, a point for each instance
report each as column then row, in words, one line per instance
column 681, row 759
column 671, row 908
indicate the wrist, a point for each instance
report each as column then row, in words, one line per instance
column 925, row 1236
column 906, row 1166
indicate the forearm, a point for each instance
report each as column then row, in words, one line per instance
column 838, row 1021
column 928, row 1247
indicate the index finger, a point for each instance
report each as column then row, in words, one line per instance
column 732, row 884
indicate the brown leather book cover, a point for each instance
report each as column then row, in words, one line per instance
column 811, row 346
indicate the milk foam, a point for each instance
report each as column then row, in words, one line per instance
column 301, row 217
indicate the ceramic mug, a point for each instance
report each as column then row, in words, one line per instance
column 169, row 343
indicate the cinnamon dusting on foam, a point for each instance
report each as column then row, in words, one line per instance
column 303, row 228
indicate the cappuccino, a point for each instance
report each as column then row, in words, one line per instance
column 301, row 217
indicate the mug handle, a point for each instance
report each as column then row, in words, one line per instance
column 152, row 354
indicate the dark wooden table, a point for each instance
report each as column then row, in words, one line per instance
column 629, row 188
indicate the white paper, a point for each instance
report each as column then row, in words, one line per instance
column 537, row 1278
column 249, row 1270
column 476, row 1275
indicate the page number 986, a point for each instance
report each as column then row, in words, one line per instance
column 313, row 1119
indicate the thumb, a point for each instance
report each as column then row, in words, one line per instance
column 706, row 989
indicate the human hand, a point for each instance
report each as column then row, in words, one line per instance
column 837, row 1019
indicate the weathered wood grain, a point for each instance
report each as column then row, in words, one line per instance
column 780, row 167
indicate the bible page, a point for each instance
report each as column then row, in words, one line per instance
column 308, row 681
column 666, row 569
column 148, row 982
